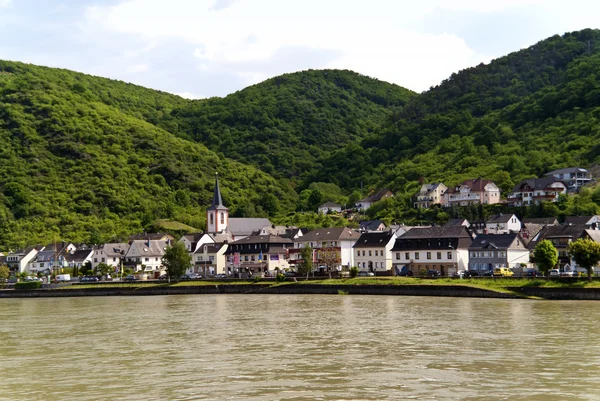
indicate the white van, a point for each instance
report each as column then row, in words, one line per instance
column 63, row 278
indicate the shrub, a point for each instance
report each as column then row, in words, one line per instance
column 28, row 285
column 280, row 277
column 353, row 272
column 256, row 279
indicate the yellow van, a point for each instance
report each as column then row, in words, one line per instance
column 503, row 272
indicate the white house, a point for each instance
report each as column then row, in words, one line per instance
column 17, row 261
column 472, row 192
column 489, row 251
column 574, row 177
column 210, row 259
column 146, row 256
column 373, row 251
column 535, row 190
column 329, row 207
column 111, row 254
column 324, row 242
column 503, row 224
column 258, row 254
column 366, row 203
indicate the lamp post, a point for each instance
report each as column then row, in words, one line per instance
column 452, row 253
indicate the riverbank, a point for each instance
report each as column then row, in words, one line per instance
column 432, row 290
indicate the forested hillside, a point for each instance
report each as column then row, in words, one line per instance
column 287, row 125
column 80, row 161
column 522, row 115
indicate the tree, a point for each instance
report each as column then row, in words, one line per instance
column 306, row 265
column 104, row 269
column 586, row 253
column 4, row 274
column 545, row 255
column 176, row 260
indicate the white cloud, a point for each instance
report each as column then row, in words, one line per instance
column 189, row 95
column 5, row 3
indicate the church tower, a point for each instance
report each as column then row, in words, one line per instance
column 217, row 215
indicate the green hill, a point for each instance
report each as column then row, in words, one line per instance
column 81, row 161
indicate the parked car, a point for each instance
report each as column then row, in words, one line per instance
column 221, row 276
column 196, row 276
column 533, row 273
column 364, row 273
column 463, row 274
column 291, row 273
column 433, row 273
column 569, row 273
column 88, row 279
column 488, row 273
column 163, row 277
column 503, row 272
column 131, row 277
column 553, row 273
column 185, row 277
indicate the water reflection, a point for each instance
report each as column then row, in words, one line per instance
column 273, row 347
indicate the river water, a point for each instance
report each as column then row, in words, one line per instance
column 298, row 347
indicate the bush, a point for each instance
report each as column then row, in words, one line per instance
column 256, row 279
column 353, row 272
column 280, row 277
column 28, row 285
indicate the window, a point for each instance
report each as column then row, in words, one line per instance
column 397, row 255
column 211, row 258
column 473, row 254
column 363, row 253
column 406, row 255
column 246, row 258
column 95, row 260
column 212, row 219
column 357, row 253
column 449, row 255
column 147, row 259
column 369, row 252
column 102, row 260
column 222, row 218
column 252, row 258
column 376, row 252
column 428, row 255
column 199, row 258
column 417, row 255
column 439, row 256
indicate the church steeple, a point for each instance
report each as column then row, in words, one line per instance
column 217, row 215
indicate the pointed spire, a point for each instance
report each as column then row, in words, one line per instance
column 217, row 202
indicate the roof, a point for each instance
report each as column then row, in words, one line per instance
column 330, row 204
column 573, row 232
column 193, row 237
column 436, row 232
column 210, row 248
column 457, row 223
column 142, row 248
column 79, row 255
column 151, row 236
column 370, row 240
column 376, row 196
column 45, row 256
column 536, row 183
column 263, row 239
column 330, row 234
column 246, row 225
column 217, row 201
column 478, row 184
column 370, row 225
column 115, row 249
column 578, row 220
column 552, row 221
column 567, row 171
column 495, row 241
column 499, row 218
column 593, row 234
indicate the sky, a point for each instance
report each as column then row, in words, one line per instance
column 205, row 48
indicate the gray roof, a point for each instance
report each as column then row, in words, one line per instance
column 552, row 221
column 210, row 248
column 376, row 196
column 246, row 226
column 147, row 248
column 330, row 234
column 263, row 239
column 567, row 170
column 45, row 256
column 116, row 249
column 370, row 225
column 536, row 183
column 437, row 232
column 371, row 240
column 578, row 219
column 78, row 256
column 495, row 241
column 330, row 204
column 499, row 218
column 457, row 223
column 593, row 234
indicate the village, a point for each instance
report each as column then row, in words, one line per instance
column 245, row 247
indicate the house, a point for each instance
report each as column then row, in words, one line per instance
column 332, row 247
column 445, row 249
column 258, row 253
column 152, row 237
column 17, row 261
column 530, row 230
column 535, row 190
column 329, row 207
column 191, row 241
column 210, row 259
column 373, row 251
column 573, row 177
column 472, row 192
column 546, row 221
column 488, row 251
column 42, row 262
column 560, row 236
column 78, row 258
column 366, row 203
column 457, row 223
column 371, row 226
column 502, row 224
column 111, row 254
column 594, row 235
column 241, row 227
column 588, row 221
column 430, row 194
column 146, row 256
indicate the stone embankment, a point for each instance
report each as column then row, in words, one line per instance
column 296, row 288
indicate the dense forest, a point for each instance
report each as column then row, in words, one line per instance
column 84, row 158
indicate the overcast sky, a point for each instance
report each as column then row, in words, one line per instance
column 203, row 48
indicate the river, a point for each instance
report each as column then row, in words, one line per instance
column 298, row 347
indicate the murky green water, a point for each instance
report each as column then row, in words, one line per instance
column 274, row 347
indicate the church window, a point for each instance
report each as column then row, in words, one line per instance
column 222, row 218
column 212, row 221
